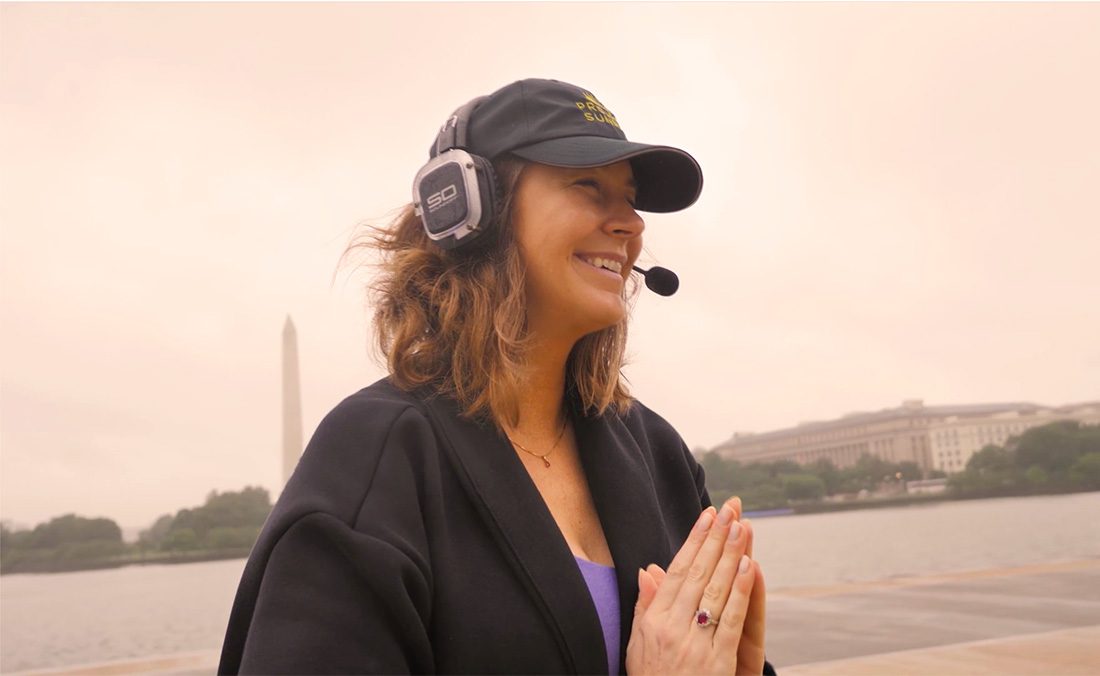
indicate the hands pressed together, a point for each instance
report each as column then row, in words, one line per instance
column 713, row 572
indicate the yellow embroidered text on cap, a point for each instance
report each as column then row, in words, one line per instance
column 594, row 111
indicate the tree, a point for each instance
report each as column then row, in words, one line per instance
column 765, row 496
column 71, row 528
column 829, row 474
column 1054, row 447
column 868, row 472
column 181, row 539
column 155, row 534
column 720, row 473
column 992, row 459
column 1085, row 471
column 245, row 509
column 249, row 507
column 803, row 487
column 780, row 467
column 223, row 537
column 1036, row 476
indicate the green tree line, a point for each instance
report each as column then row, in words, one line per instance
column 226, row 525
column 1057, row 458
column 1060, row 457
column 785, row 483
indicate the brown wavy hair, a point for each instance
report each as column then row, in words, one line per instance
column 456, row 321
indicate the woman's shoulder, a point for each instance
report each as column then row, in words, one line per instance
column 379, row 403
column 671, row 463
column 649, row 425
column 358, row 427
column 361, row 437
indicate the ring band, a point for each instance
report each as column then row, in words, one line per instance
column 703, row 618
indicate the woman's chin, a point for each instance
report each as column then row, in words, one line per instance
column 606, row 313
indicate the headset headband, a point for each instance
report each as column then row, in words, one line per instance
column 453, row 132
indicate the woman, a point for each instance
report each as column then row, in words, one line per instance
column 499, row 503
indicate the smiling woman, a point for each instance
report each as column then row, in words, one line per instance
column 500, row 503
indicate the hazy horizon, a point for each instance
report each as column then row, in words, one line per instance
column 899, row 203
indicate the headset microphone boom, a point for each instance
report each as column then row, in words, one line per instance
column 660, row 280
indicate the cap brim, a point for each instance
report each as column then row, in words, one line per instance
column 668, row 178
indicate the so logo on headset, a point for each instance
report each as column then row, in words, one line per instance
column 442, row 198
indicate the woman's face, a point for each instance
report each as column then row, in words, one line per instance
column 578, row 237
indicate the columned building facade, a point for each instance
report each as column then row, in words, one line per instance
column 933, row 437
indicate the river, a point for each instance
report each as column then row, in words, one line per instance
column 105, row 615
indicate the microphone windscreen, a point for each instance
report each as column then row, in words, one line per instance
column 662, row 281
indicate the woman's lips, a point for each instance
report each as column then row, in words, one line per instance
column 603, row 272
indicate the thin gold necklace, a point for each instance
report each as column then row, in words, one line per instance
column 546, row 454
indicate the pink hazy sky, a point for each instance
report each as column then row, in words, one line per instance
column 901, row 201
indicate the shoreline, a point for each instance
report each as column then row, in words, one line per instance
column 48, row 567
column 902, row 500
column 45, row 567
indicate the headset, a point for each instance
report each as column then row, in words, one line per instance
column 455, row 194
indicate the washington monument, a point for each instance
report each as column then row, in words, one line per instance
column 292, row 401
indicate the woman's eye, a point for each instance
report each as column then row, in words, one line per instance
column 594, row 184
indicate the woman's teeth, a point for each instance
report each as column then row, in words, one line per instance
column 607, row 264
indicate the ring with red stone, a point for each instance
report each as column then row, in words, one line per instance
column 703, row 618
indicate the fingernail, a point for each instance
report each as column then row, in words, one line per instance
column 725, row 516
column 735, row 530
column 744, row 567
column 703, row 524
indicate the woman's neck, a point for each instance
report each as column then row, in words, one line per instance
column 540, row 399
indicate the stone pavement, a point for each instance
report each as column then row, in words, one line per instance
column 1064, row 651
column 1030, row 620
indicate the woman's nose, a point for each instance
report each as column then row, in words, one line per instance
column 626, row 222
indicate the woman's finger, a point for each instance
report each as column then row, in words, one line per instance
column 750, row 651
column 677, row 570
column 748, row 541
column 699, row 574
column 732, row 622
column 656, row 572
column 647, row 590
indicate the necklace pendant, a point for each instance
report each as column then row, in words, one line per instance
column 546, row 462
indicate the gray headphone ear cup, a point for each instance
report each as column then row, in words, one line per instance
column 454, row 195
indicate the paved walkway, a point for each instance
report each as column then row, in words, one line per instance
column 1029, row 620
column 1065, row 651
column 182, row 664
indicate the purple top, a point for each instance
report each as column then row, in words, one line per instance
column 605, row 594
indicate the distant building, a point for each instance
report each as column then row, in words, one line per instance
column 934, row 437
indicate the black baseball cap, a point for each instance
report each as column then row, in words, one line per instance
column 564, row 125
